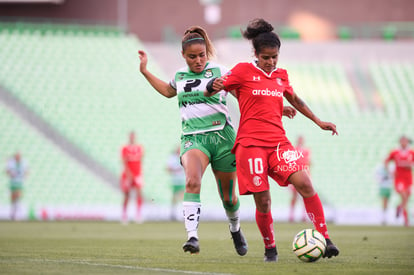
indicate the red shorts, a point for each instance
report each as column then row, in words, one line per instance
column 403, row 184
column 255, row 164
column 126, row 185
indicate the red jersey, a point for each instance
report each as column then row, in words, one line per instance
column 404, row 161
column 132, row 154
column 260, row 97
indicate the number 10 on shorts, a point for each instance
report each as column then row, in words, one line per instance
column 255, row 165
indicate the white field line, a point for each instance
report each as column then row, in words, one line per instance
column 111, row 266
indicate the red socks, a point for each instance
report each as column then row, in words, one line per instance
column 265, row 223
column 314, row 209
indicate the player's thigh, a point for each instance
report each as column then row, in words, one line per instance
column 194, row 155
column 222, row 159
column 252, row 169
column 302, row 182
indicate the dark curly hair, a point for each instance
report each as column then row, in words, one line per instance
column 260, row 32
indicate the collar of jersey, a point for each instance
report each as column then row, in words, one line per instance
column 257, row 67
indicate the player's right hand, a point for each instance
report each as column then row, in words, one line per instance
column 144, row 60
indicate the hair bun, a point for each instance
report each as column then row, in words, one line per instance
column 256, row 27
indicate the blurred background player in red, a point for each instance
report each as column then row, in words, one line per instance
column 176, row 171
column 132, row 178
column 262, row 148
column 305, row 153
column 403, row 158
column 17, row 171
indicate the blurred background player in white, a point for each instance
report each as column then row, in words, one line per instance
column 403, row 158
column 177, row 174
column 384, row 177
column 17, row 170
column 305, row 153
column 132, row 179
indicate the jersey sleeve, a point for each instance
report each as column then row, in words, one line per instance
column 285, row 80
column 232, row 79
column 173, row 84
column 173, row 81
column 391, row 156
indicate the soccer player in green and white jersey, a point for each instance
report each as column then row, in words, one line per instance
column 207, row 133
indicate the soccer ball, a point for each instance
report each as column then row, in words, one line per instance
column 309, row 245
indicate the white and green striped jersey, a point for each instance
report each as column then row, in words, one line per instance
column 200, row 114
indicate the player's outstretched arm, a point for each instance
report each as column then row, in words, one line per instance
column 161, row 86
column 301, row 106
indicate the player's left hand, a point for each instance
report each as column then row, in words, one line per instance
column 328, row 126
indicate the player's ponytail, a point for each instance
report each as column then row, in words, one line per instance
column 196, row 34
column 260, row 32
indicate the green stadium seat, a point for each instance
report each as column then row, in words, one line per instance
column 289, row 33
column 84, row 81
column 389, row 32
column 344, row 33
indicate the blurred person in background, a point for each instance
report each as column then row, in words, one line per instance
column 177, row 175
column 262, row 148
column 17, row 170
column 403, row 157
column 305, row 153
column 384, row 178
column 132, row 178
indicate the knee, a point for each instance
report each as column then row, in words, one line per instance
column 264, row 204
column 305, row 188
column 231, row 205
column 192, row 184
column 227, row 202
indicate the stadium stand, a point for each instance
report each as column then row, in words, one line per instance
column 54, row 178
column 85, row 83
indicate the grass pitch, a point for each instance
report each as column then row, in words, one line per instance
column 155, row 248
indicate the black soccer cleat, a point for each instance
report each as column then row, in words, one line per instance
column 331, row 249
column 239, row 242
column 192, row 246
column 270, row 255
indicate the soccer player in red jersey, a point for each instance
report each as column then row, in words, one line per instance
column 403, row 178
column 132, row 178
column 262, row 148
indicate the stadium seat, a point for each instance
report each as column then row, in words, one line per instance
column 84, row 82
